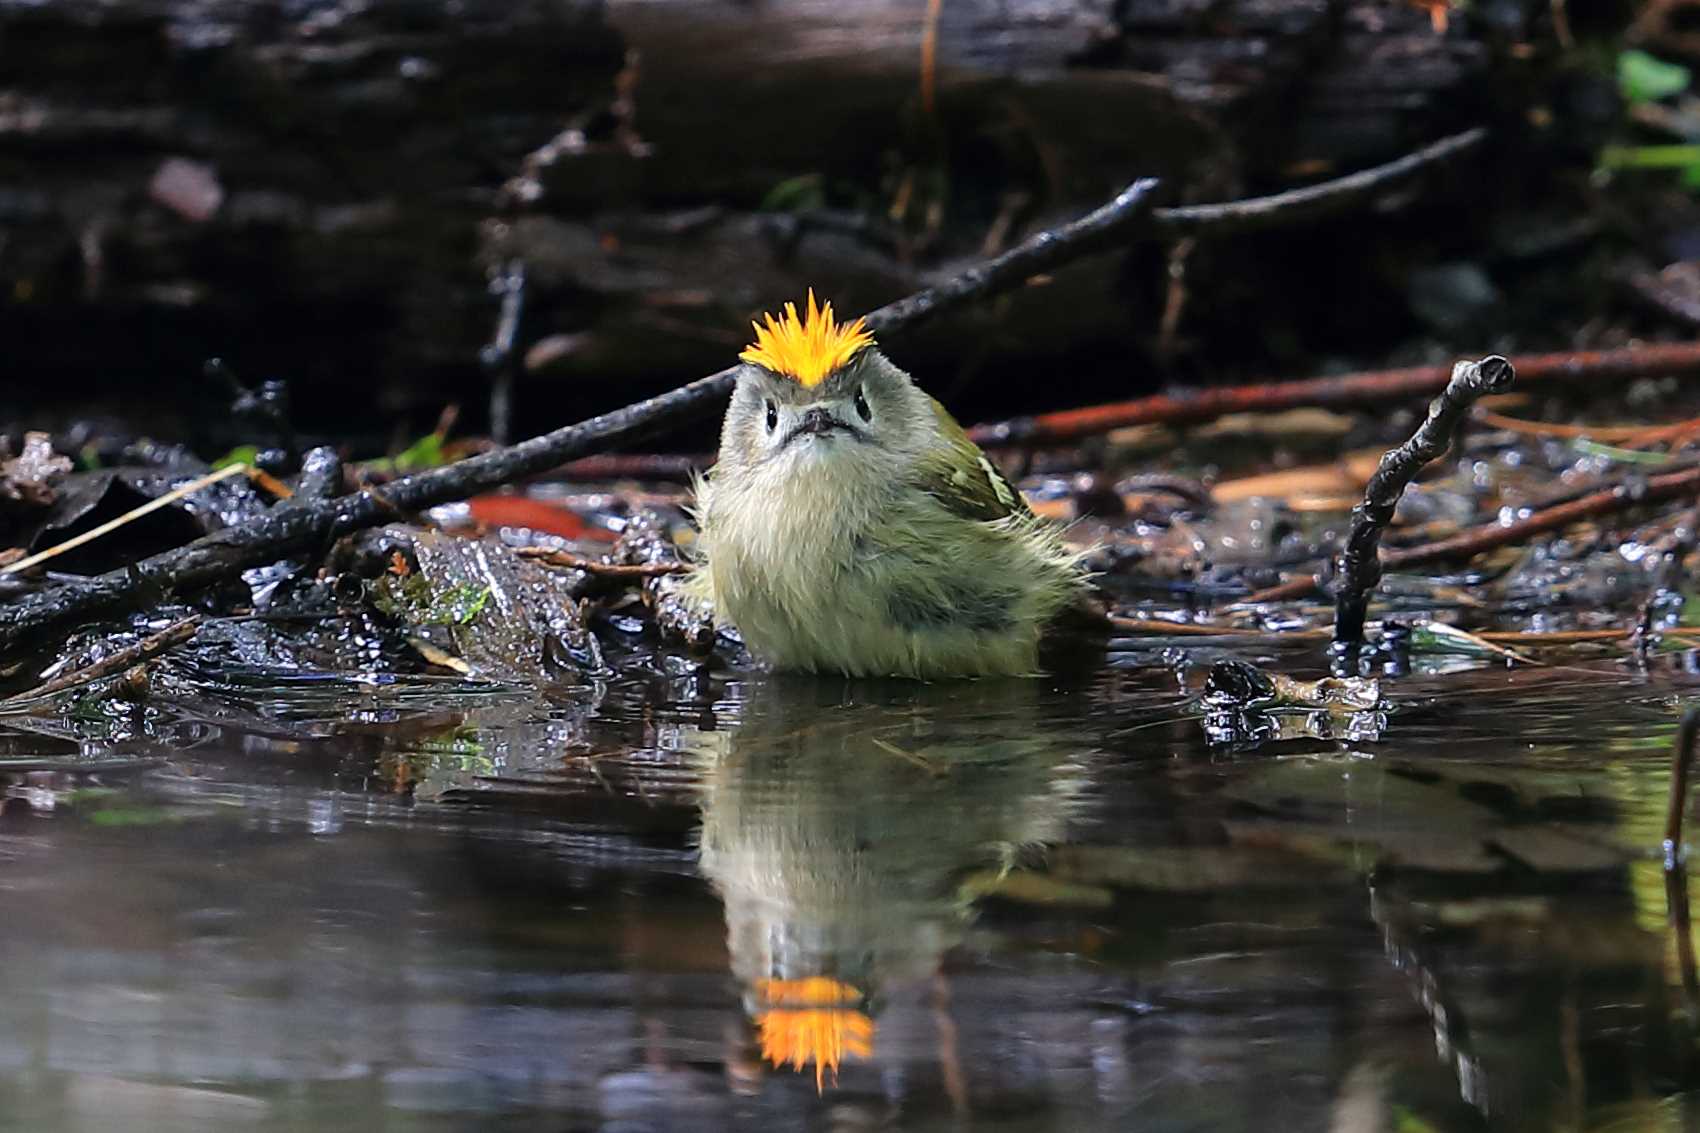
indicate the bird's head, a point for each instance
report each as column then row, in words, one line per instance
column 816, row 393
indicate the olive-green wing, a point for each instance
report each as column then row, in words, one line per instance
column 958, row 475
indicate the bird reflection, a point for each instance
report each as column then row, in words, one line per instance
column 837, row 822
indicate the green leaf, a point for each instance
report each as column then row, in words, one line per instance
column 469, row 612
column 426, row 452
column 796, row 194
column 241, row 454
column 1649, row 157
column 1406, row 1120
column 131, row 816
column 1642, row 78
column 1612, row 452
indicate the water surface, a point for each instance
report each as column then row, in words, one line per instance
column 694, row 901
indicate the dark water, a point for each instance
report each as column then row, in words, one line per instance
column 1027, row 905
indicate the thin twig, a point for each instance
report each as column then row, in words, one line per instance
column 636, row 466
column 1311, row 201
column 1606, row 434
column 1490, row 536
column 1360, row 559
column 929, row 58
column 1099, row 230
column 1299, row 586
column 146, row 649
column 600, row 567
column 1188, row 629
column 1375, row 387
column 133, row 514
column 1533, row 638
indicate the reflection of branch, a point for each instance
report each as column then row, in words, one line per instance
column 1676, row 872
column 1451, row 1034
column 1676, row 902
column 1676, row 802
column 950, row 1056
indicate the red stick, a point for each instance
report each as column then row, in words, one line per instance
column 1370, row 388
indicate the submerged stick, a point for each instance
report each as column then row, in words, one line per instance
column 1360, row 559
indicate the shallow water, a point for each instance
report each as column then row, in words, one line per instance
column 1025, row 905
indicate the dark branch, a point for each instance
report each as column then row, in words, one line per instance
column 1312, row 201
column 1097, row 231
column 1360, row 560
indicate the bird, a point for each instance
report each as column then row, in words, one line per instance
column 850, row 526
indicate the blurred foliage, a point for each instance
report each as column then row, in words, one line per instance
column 241, row 454
column 1644, row 78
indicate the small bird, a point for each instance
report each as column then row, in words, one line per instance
column 850, row 525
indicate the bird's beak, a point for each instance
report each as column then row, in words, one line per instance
column 818, row 420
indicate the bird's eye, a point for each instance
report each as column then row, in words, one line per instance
column 772, row 416
column 862, row 405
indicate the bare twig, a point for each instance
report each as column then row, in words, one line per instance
column 634, row 571
column 1607, row 501
column 1360, row 559
column 1532, row 638
column 1605, row 434
column 1676, row 903
column 144, row 650
column 1380, row 388
column 1491, row 536
column 133, row 514
column 1099, row 230
column 1311, row 201
column 636, row 466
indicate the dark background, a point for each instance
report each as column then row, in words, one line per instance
column 322, row 191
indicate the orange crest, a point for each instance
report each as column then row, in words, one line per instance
column 806, row 349
column 810, row 1020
